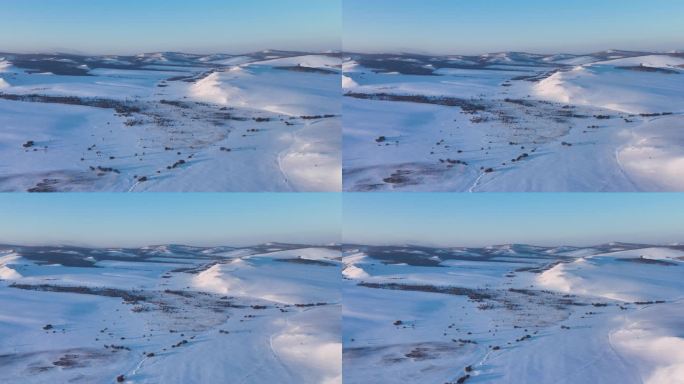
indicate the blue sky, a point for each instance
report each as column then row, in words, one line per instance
column 531, row 218
column 201, row 26
column 117, row 219
column 482, row 26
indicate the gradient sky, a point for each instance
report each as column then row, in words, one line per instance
column 122, row 220
column 531, row 218
column 193, row 26
column 484, row 26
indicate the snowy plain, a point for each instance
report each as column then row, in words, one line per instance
column 612, row 313
column 514, row 122
column 170, row 314
column 174, row 122
column 367, row 314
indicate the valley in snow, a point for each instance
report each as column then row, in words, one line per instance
column 170, row 314
column 173, row 122
column 613, row 313
column 514, row 122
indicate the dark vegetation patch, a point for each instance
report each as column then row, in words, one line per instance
column 77, row 65
column 301, row 68
column 127, row 296
column 472, row 294
column 400, row 256
column 395, row 176
column 184, row 78
column 393, row 354
column 643, row 260
column 195, row 269
column 185, row 294
column 46, row 185
column 310, row 305
column 655, row 114
column 40, row 64
column 424, row 65
column 103, row 170
column 48, row 360
column 176, row 164
column 316, row 117
column 650, row 302
column 192, row 78
column 383, row 64
column 419, row 354
column 418, row 256
column 524, row 103
column 120, row 107
column 644, row 68
column 536, row 77
column 538, row 269
column 229, row 116
column 300, row 260
column 468, row 106
column 400, row 177
column 69, row 361
column 175, row 103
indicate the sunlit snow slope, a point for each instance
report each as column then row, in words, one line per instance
column 514, row 314
column 268, row 121
column 170, row 314
column 514, row 122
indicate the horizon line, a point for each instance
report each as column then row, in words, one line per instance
column 84, row 54
column 345, row 243
column 417, row 53
column 74, row 245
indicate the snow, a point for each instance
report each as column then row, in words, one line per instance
column 235, row 60
column 210, row 89
column 647, row 338
column 313, row 159
column 354, row 272
column 516, row 313
column 193, row 126
column 652, row 153
column 348, row 82
column 578, row 60
column 310, row 61
column 606, row 86
column 280, row 322
column 351, row 269
column 512, row 122
column 6, row 271
column 612, row 276
column 654, row 61
column 312, row 314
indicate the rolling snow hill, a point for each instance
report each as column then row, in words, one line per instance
column 514, row 122
column 267, row 121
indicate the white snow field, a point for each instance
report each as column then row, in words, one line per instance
column 514, row 314
column 267, row 121
column 514, row 122
column 170, row 314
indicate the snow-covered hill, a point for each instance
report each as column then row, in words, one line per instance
column 607, row 121
column 170, row 314
column 267, row 121
column 515, row 313
column 300, row 314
